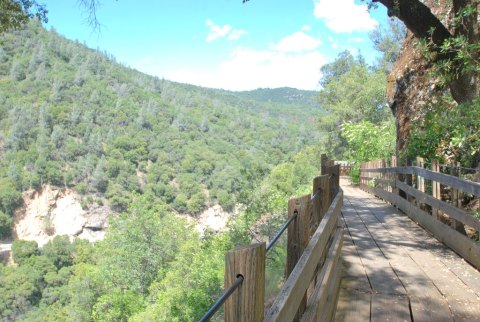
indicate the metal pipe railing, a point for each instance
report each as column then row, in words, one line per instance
column 218, row 304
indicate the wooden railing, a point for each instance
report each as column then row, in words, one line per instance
column 445, row 219
column 315, row 237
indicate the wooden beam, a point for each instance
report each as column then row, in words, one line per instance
column 321, row 194
column 457, row 197
column 298, row 236
column 445, row 179
column 325, row 280
column 246, row 304
column 436, row 192
column 461, row 244
column 454, row 212
column 287, row 302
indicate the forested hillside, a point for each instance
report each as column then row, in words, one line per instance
column 73, row 117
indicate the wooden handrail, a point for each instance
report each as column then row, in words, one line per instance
column 315, row 238
column 430, row 211
column 445, row 179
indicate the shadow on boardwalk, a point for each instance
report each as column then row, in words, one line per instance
column 395, row 271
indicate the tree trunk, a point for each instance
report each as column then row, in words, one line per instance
column 419, row 19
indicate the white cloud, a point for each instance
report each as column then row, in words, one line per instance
column 297, row 42
column 306, row 28
column 247, row 68
column 235, row 34
column 333, row 42
column 226, row 31
column 292, row 62
column 344, row 15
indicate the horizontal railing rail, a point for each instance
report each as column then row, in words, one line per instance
column 431, row 198
column 314, row 241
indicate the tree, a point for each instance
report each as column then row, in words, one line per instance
column 23, row 249
column 15, row 13
column 352, row 92
column 5, row 224
column 456, row 46
column 388, row 41
column 139, row 243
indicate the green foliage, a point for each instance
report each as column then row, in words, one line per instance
column 448, row 134
column 352, row 92
column 15, row 13
column 191, row 283
column 116, row 305
column 139, row 243
column 5, row 224
column 74, row 117
column 388, row 42
column 10, row 197
column 20, row 288
column 367, row 141
column 458, row 53
column 22, row 250
column 60, row 251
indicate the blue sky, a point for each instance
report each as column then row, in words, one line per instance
column 224, row 43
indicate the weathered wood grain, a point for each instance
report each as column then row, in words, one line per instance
column 326, row 282
column 246, row 304
column 445, row 179
column 287, row 302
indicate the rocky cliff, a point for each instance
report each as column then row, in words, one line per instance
column 410, row 86
column 52, row 211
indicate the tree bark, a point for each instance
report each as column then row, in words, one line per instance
column 419, row 19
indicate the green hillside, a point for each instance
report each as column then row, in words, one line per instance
column 283, row 95
column 72, row 116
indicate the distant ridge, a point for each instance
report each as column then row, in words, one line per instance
column 283, row 95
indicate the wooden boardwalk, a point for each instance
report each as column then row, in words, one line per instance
column 393, row 270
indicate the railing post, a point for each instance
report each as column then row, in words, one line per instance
column 394, row 176
column 436, row 189
column 457, row 196
column 298, row 237
column 420, row 181
column 246, row 304
column 320, row 204
column 323, row 163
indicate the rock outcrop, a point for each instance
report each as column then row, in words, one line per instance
column 51, row 211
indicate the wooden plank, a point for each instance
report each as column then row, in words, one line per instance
column 297, row 239
column 427, row 247
column 247, row 302
column 456, row 197
column 325, row 279
column 298, row 233
column 452, row 211
column 353, row 306
column 445, row 179
column 430, row 304
column 354, row 274
column 285, row 306
column 334, row 292
column 436, row 192
column 323, row 163
column 461, row 244
column 380, row 275
column 320, row 197
column 387, row 307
